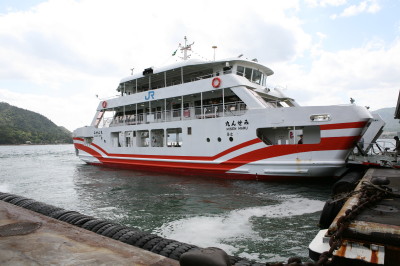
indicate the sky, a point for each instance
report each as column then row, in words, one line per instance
column 60, row 57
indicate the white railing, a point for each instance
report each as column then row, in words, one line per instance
column 190, row 113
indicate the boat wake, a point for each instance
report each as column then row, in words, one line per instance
column 230, row 230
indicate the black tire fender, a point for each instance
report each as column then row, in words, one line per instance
column 329, row 212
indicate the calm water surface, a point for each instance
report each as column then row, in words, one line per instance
column 257, row 220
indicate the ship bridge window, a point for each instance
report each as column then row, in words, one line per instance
column 257, row 75
column 247, row 73
column 274, row 103
column 251, row 74
column 289, row 135
column 240, row 70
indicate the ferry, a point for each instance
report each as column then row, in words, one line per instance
column 221, row 119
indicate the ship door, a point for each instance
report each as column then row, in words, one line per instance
column 306, row 136
column 296, row 138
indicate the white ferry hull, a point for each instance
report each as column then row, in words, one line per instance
column 217, row 148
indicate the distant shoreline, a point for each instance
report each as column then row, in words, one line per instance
column 36, row 144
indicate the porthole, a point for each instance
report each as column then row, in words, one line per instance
column 219, row 139
column 230, row 139
column 208, row 139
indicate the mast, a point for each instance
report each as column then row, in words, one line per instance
column 185, row 49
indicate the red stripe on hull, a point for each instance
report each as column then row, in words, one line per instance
column 200, row 172
column 360, row 124
column 220, row 169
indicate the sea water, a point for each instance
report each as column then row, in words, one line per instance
column 261, row 221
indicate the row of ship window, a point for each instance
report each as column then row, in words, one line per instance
column 152, row 138
column 146, row 83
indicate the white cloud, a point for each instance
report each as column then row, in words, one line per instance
column 58, row 55
column 367, row 74
column 368, row 6
column 67, row 51
column 325, row 3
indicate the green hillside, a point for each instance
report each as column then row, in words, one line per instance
column 20, row 126
column 387, row 114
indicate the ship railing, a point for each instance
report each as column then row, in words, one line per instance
column 188, row 113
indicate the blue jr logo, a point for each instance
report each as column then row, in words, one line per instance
column 149, row 96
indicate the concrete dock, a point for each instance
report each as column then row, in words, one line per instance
column 30, row 238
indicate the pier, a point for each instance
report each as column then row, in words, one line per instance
column 30, row 238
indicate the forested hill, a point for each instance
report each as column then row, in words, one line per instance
column 20, row 126
column 387, row 115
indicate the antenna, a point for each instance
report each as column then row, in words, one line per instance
column 215, row 48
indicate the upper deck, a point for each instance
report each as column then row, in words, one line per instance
column 190, row 89
column 192, row 70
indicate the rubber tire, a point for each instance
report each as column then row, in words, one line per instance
column 152, row 243
column 143, row 240
column 58, row 214
column 170, row 248
column 121, row 233
column 161, row 245
column 4, row 195
column 21, row 202
column 89, row 225
column 176, row 254
column 103, row 228
column 16, row 200
column 110, row 232
column 10, row 198
column 134, row 238
column 46, row 210
column 329, row 212
column 25, row 204
column 77, row 218
column 67, row 216
column 72, row 217
column 98, row 226
column 37, row 206
column 125, row 237
column 82, row 221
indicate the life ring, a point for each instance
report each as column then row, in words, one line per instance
column 104, row 104
column 216, row 82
